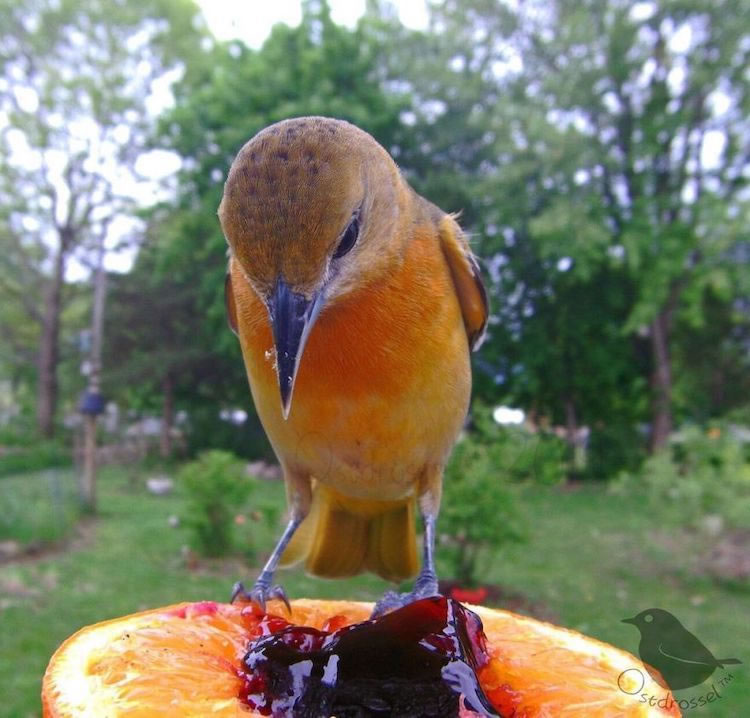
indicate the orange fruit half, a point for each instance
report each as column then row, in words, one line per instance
column 185, row 660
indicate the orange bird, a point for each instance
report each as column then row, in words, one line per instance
column 356, row 303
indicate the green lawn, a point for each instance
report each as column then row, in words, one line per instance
column 591, row 560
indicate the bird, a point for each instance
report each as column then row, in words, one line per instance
column 356, row 303
column 674, row 657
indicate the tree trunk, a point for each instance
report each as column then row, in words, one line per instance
column 573, row 435
column 661, row 382
column 46, row 406
column 571, row 423
column 167, row 418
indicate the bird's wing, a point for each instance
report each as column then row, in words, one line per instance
column 470, row 289
column 683, row 660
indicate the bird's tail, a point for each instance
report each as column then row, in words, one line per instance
column 728, row 661
column 342, row 536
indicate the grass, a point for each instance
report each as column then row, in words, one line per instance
column 51, row 496
column 592, row 560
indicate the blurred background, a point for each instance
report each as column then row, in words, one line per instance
column 598, row 152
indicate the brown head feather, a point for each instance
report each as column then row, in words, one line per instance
column 291, row 192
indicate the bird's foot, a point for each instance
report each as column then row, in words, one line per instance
column 425, row 586
column 261, row 592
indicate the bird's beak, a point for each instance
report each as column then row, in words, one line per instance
column 292, row 318
column 629, row 620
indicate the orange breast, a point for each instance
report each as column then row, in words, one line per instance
column 384, row 382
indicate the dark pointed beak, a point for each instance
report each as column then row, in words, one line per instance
column 292, row 318
column 629, row 620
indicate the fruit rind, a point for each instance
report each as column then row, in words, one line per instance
column 72, row 687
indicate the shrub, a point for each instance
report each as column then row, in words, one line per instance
column 481, row 507
column 703, row 471
column 216, row 484
column 519, row 455
column 479, row 512
column 36, row 457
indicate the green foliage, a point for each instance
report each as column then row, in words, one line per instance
column 713, row 363
column 18, row 432
column 703, row 472
column 613, row 447
column 36, row 457
column 159, row 356
column 216, row 485
column 519, row 455
column 739, row 415
column 77, row 77
column 480, row 511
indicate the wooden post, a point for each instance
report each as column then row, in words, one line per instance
column 88, row 479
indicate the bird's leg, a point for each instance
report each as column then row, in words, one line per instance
column 426, row 584
column 299, row 498
column 262, row 589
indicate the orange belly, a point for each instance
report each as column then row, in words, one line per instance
column 383, row 385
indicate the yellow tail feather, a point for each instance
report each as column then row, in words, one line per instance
column 343, row 537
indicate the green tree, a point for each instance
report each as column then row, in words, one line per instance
column 19, row 337
column 160, row 354
column 650, row 100
column 149, row 348
column 76, row 78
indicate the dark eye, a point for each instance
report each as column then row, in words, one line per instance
column 348, row 238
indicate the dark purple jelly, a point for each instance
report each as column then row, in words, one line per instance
column 416, row 661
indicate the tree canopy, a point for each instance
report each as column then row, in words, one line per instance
column 77, row 77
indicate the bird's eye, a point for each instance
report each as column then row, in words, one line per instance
column 348, row 238
column 648, row 618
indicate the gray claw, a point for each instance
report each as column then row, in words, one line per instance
column 388, row 602
column 392, row 600
column 278, row 592
column 259, row 593
column 238, row 590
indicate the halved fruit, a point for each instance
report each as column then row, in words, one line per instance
column 186, row 660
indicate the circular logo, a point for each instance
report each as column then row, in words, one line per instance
column 629, row 676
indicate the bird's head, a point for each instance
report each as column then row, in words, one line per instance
column 311, row 210
column 653, row 619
